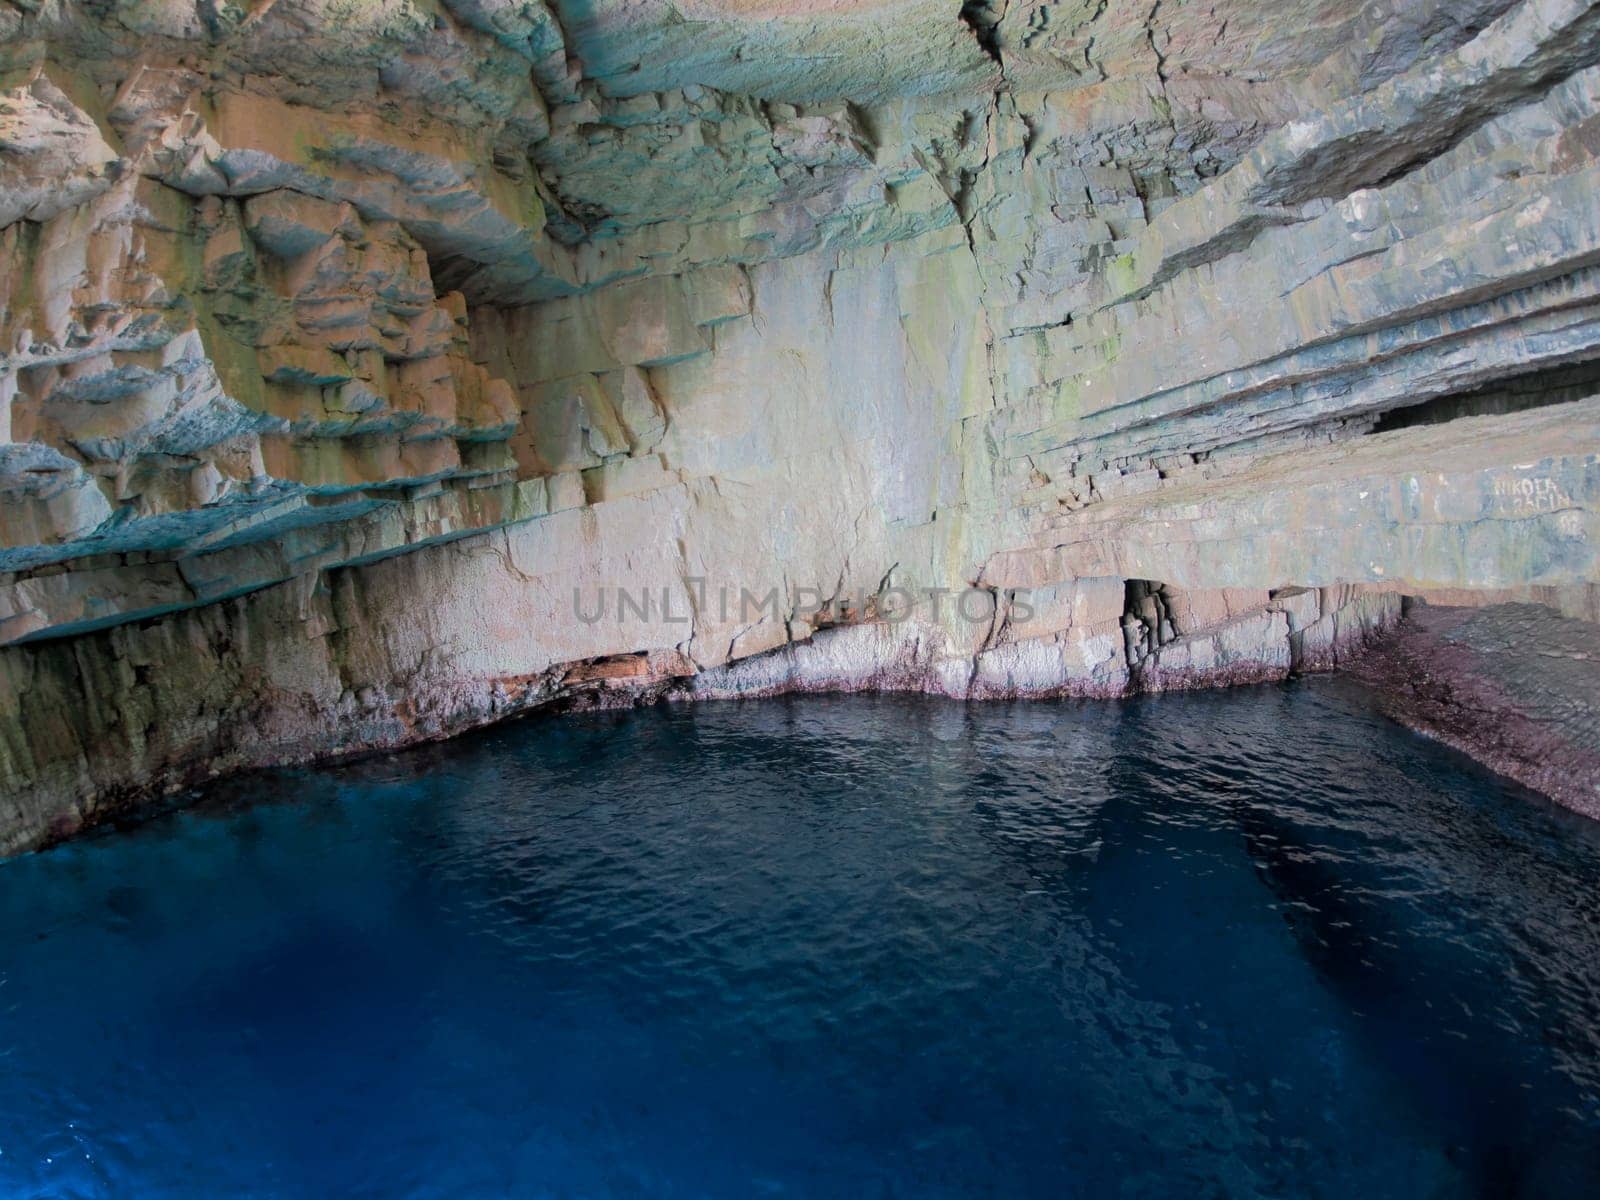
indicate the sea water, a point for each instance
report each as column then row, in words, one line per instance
column 1250, row 943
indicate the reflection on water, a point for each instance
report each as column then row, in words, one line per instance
column 1258, row 943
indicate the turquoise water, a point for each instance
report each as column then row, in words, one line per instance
column 1259, row 943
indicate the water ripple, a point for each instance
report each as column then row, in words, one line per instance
column 1252, row 944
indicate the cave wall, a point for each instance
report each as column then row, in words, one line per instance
column 353, row 361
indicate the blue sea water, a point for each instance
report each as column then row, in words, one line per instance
column 1247, row 944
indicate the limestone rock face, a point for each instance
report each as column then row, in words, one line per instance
column 369, row 372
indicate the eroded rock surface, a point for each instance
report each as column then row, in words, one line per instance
column 1514, row 685
column 367, row 373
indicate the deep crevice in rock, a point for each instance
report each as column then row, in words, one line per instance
column 1147, row 622
column 1513, row 394
column 984, row 21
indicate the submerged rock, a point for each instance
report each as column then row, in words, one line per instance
column 1514, row 685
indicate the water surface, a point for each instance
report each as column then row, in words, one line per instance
column 1257, row 943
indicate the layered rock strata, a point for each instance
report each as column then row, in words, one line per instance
column 369, row 374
